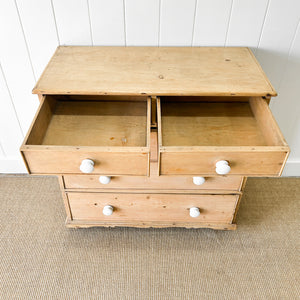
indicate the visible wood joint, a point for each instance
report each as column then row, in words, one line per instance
column 153, row 113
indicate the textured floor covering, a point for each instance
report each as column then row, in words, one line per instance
column 41, row 259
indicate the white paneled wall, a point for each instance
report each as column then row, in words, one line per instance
column 30, row 30
column 211, row 22
column 107, row 22
column 73, row 22
column 38, row 23
column 177, row 22
column 142, row 22
column 246, row 23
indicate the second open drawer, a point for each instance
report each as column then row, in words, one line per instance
column 198, row 132
column 85, row 134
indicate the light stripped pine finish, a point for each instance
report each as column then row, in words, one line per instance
column 210, row 124
column 222, row 123
column 66, row 160
column 64, row 196
column 110, row 124
column 164, row 208
column 55, row 144
column 196, row 71
column 146, row 224
column 230, row 184
column 245, row 134
column 242, row 163
column 237, row 206
column 273, row 37
column 154, row 182
column 189, row 135
column 145, row 190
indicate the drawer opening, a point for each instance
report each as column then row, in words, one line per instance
column 195, row 133
column 224, row 121
column 111, row 133
column 94, row 121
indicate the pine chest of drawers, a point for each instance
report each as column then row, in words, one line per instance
column 153, row 136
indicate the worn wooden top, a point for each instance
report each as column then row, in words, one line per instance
column 154, row 71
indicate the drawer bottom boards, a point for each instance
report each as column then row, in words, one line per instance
column 151, row 210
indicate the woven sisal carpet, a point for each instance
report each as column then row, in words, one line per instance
column 41, row 259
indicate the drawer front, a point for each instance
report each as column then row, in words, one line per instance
column 113, row 133
column 240, row 135
column 241, row 163
column 63, row 162
column 230, row 183
column 152, row 207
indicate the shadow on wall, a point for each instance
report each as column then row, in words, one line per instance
column 283, row 73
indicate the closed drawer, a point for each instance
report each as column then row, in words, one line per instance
column 152, row 207
column 175, row 183
column 198, row 132
column 98, row 135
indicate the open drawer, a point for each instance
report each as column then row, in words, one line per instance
column 218, row 136
column 89, row 134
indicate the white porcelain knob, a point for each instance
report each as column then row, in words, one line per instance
column 108, row 210
column 198, row 180
column 222, row 167
column 194, row 212
column 87, row 166
column 104, row 179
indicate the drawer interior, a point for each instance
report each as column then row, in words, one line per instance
column 222, row 121
column 90, row 121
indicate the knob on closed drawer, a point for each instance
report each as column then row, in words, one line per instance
column 222, row 167
column 108, row 210
column 194, row 212
column 87, row 166
column 104, row 179
column 198, row 180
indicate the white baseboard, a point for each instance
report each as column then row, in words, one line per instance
column 292, row 168
column 12, row 165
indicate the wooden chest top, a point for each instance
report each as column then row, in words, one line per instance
column 177, row 71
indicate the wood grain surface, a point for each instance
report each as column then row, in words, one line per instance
column 221, row 183
column 153, row 71
column 152, row 207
